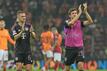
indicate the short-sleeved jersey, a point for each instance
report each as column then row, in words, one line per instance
column 4, row 38
column 74, row 35
column 22, row 43
column 46, row 39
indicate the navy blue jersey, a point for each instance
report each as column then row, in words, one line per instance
column 23, row 43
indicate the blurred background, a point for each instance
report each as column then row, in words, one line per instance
column 54, row 13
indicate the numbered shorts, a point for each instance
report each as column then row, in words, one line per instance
column 3, row 55
column 25, row 58
column 74, row 54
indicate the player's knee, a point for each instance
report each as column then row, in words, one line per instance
column 80, row 65
column 19, row 70
column 28, row 69
column 67, row 68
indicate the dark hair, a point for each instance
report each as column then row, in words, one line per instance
column 46, row 27
column 72, row 9
column 20, row 11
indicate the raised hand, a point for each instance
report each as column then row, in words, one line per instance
column 80, row 10
column 31, row 29
column 85, row 7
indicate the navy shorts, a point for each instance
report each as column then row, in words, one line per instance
column 25, row 58
column 73, row 54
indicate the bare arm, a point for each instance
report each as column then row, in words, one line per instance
column 19, row 34
column 10, row 39
column 89, row 19
column 34, row 35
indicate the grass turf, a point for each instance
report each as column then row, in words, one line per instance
column 52, row 70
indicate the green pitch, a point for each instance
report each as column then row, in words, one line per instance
column 51, row 70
